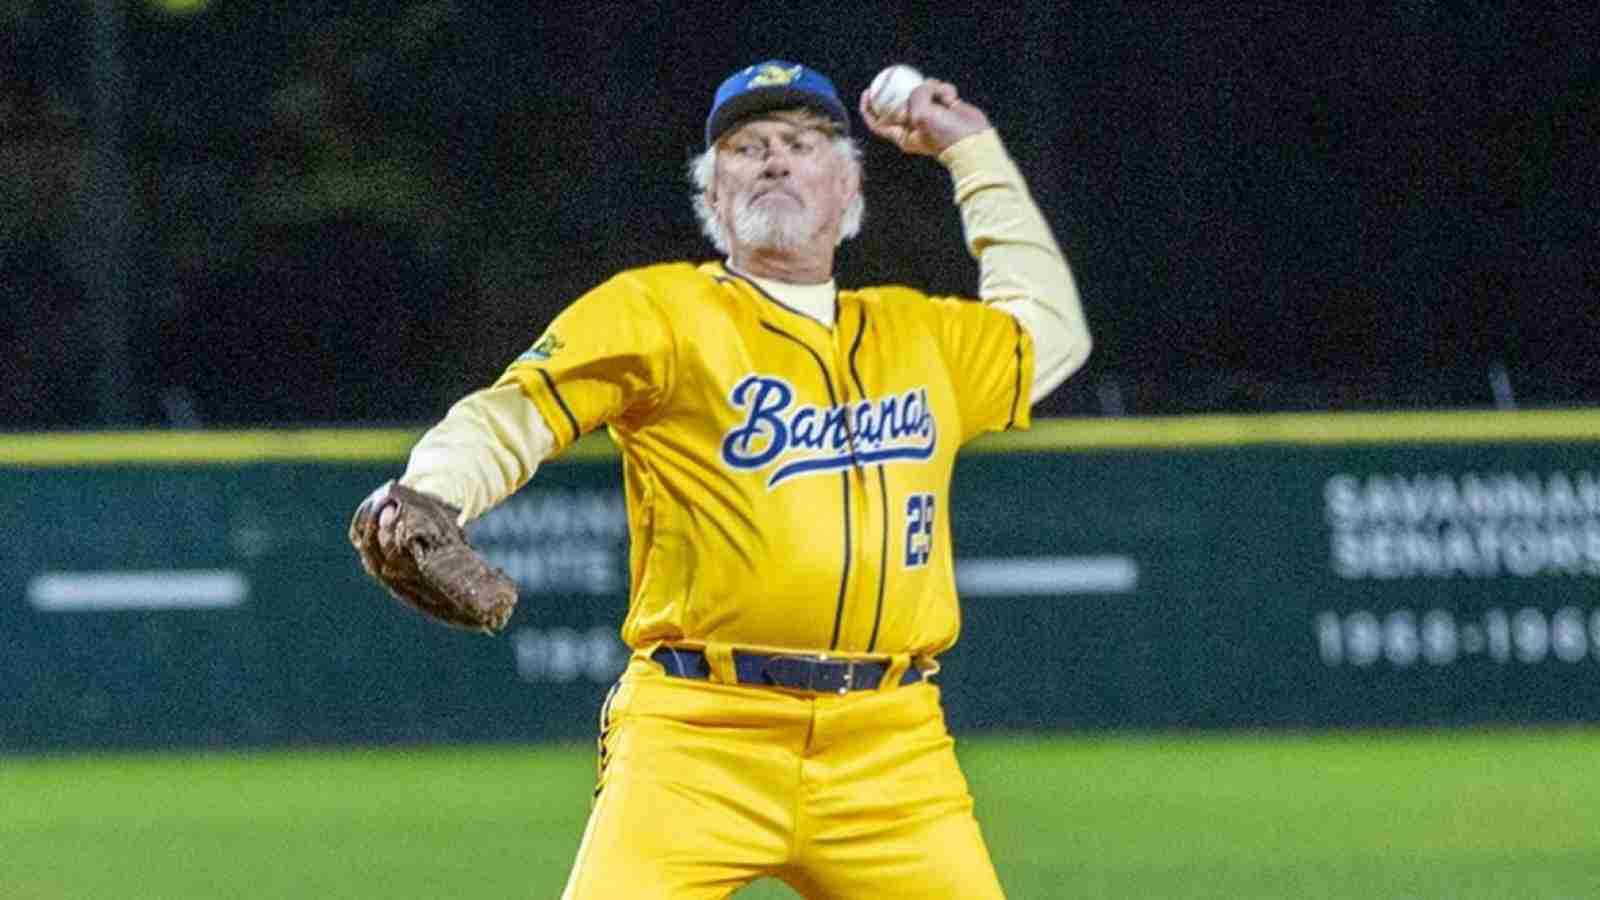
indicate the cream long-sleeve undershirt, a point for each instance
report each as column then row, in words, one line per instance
column 491, row 441
column 1020, row 267
column 485, row 448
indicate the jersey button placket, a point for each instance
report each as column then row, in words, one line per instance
column 849, row 395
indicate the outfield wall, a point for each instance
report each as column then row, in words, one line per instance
column 196, row 589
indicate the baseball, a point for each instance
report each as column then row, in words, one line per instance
column 891, row 89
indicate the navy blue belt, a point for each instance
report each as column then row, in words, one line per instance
column 796, row 672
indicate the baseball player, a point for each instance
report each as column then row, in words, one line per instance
column 787, row 448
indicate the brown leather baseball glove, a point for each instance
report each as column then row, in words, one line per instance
column 429, row 565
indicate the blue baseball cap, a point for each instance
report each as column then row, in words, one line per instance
column 774, row 84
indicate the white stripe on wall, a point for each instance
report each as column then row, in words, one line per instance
column 1041, row 575
column 103, row 591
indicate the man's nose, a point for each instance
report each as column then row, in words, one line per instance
column 776, row 163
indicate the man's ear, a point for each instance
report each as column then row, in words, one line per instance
column 710, row 192
column 852, row 182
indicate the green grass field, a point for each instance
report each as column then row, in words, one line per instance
column 1450, row 815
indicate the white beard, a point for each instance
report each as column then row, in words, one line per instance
column 772, row 226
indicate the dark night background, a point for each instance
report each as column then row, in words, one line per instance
column 353, row 212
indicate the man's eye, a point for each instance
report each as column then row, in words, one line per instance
column 747, row 150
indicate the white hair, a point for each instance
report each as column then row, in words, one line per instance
column 703, row 169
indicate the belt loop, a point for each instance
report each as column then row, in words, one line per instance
column 669, row 660
column 898, row 664
column 719, row 659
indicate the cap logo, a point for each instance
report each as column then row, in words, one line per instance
column 770, row 74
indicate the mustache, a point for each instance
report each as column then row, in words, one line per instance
column 758, row 193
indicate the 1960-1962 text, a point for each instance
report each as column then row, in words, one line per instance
column 1404, row 638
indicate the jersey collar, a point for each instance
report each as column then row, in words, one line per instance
column 817, row 302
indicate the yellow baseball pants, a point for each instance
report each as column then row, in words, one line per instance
column 705, row 787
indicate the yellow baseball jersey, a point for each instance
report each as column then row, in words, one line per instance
column 787, row 483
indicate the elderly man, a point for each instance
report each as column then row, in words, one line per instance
column 787, row 448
